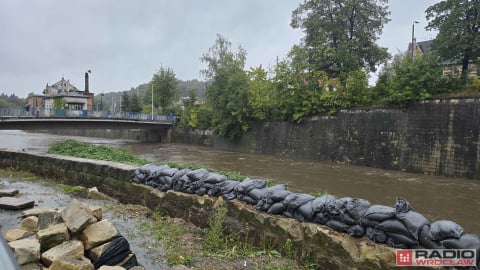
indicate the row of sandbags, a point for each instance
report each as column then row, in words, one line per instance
column 399, row 227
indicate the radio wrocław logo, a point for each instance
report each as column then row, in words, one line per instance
column 436, row 257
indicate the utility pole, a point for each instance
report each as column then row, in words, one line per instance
column 152, row 101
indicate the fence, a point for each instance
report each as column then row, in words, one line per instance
column 60, row 113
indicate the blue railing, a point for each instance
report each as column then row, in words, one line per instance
column 60, row 113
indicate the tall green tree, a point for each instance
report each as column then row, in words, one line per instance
column 165, row 88
column 340, row 35
column 125, row 102
column 260, row 102
column 457, row 22
column 227, row 95
column 135, row 105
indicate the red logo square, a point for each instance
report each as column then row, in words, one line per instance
column 404, row 257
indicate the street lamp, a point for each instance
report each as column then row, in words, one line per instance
column 152, row 101
column 413, row 38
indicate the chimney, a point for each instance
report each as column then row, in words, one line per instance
column 86, row 82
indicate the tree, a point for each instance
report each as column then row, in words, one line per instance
column 457, row 22
column 165, row 89
column 340, row 35
column 135, row 104
column 126, row 107
column 227, row 95
column 259, row 94
column 408, row 79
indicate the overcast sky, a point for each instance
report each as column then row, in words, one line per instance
column 125, row 42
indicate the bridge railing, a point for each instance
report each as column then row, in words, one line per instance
column 61, row 113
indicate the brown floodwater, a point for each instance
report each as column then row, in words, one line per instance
column 435, row 197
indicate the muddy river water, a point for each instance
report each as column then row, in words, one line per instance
column 435, row 197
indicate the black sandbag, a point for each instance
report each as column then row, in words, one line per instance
column 276, row 208
column 380, row 213
column 228, row 186
column 391, row 242
column 247, row 199
column 305, row 211
column 248, row 184
column 270, row 191
column 402, row 238
column 280, row 195
column 257, row 193
column 179, row 174
column 356, row 208
column 131, row 262
column 213, row 178
column 201, row 191
column 263, row 205
column 296, row 201
column 197, row 174
column 403, row 206
column 138, row 178
column 116, row 252
column 425, row 240
column 150, row 169
column 369, row 223
column 229, row 196
column 357, row 231
column 345, row 218
column 376, row 235
column 321, row 218
column 214, row 192
column 337, row 225
column 337, row 207
column 167, row 172
column 414, row 222
column 443, row 229
column 319, row 204
column 393, row 226
column 466, row 241
column 165, row 180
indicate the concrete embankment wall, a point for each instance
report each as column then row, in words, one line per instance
column 438, row 137
column 326, row 248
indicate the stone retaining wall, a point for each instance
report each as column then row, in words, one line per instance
column 312, row 242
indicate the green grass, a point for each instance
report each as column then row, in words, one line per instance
column 75, row 148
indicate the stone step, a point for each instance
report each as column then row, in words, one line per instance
column 12, row 203
column 8, row 192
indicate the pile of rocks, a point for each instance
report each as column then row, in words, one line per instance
column 74, row 238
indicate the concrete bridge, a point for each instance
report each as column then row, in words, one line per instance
column 143, row 127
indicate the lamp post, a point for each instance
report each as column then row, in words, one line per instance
column 152, row 101
column 413, row 38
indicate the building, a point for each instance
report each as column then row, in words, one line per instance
column 450, row 67
column 63, row 95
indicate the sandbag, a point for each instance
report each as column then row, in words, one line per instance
column 280, row 195
column 116, row 252
column 356, row 208
column 270, row 191
column 369, row 223
column 167, row 172
column 228, row 186
column 337, row 225
column 131, row 262
column 305, row 212
column 263, row 205
column 357, row 231
column 297, row 200
column 276, row 208
column 321, row 218
column 345, row 218
column 376, row 235
column 229, row 196
column 402, row 238
column 257, row 193
column 337, row 207
column 248, row 184
column 379, row 212
column 403, row 206
column 213, row 178
column 414, row 222
column 391, row 242
column 466, row 241
column 425, row 239
column 320, row 204
column 393, row 226
column 197, row 174
column 443, row 229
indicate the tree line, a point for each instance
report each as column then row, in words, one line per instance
column 328, row 71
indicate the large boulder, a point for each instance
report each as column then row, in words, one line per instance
column 77, row 216
column 25, row 250
column 15, row 234
column 38, row 210
column 52, row 236
column 67, row 250
column 71, row 264
column 98, row 233
column 30, row 224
